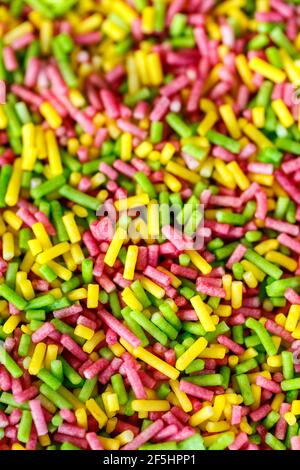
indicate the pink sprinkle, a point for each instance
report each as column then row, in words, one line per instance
column 9, row 59
column 262, row 204
column 236, row 256
column 73, row 347
column 94, row 441
column 295, row 443
column 288, row 186
column 119, row 328
column 231, row 345
column 93, row 37
column 261, row 168
column 281, row 226
column 260, row 413
column 205, row 287
column 278, row 330
column 157, row 276
column 2, row 92
column 289, row 242
column 38, row 417
column 165, row 433
column 71, row 430
column 292, row 296
column 113, row 367
column 110, row 104
column 67, row 415
column 144, row 436
column 127, row 126
column 135, row 382
column 67, row 311
column 268, row 384
column 196, row 390
column 41, row 333
column 240, row 441
column 291, row 166
column 174, row 86
column 236, row 414
column 95, row 368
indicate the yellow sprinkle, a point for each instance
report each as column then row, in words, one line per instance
column 183, row 399
column 42, row 235
column 62, row 272
column 17, row 446
column 92, row 296
column 150, row 405
column 238, row 175
column 256, row 136
column 224, row 174
column 199, row 261
column 277, row 401
column 167, row 153
column 125, row 437
column 81, row 418
column 250, row 279
column 151, row 287
column 184, row 173
column 191, row 353
column 295, row 407
column 236, row 294
column 200, row 416
column 96, row 412
column 148, row 16
column 27, row 289
column 89, row 24
column 3, row 118
column 153, row 219
column 143, row 149
column 292, row 70
column 215, row 351
column 77, row 294
column 223, row 310
column 203, row 312
column 37, row 359
column 267, row 70
column 84, row 332
column 207, row 122
column 130, row 299
column 111, row 403
column 8, row 246
column 258, row 116
column 51, row 355
column 71, row 227
column 53, row 252
column 14, row 185
column 244, row 71
column 126, row 146
column 292, row 318
column 290, row 418
column 12, row 220
column 156, row 363
column 230, row 121
column 130, row 262
column 266, row 246
column 53, row 153
column 283, row 113
column 11, row 324
column 172, row 183
column 279, row 258
column 51, row 115
column 154, row 69
column 226, row 284
column 90, row 345
column 132, row 202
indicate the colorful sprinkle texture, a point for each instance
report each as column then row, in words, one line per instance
column 149, row 225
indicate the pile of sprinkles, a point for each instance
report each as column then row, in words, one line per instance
column 149, row 225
